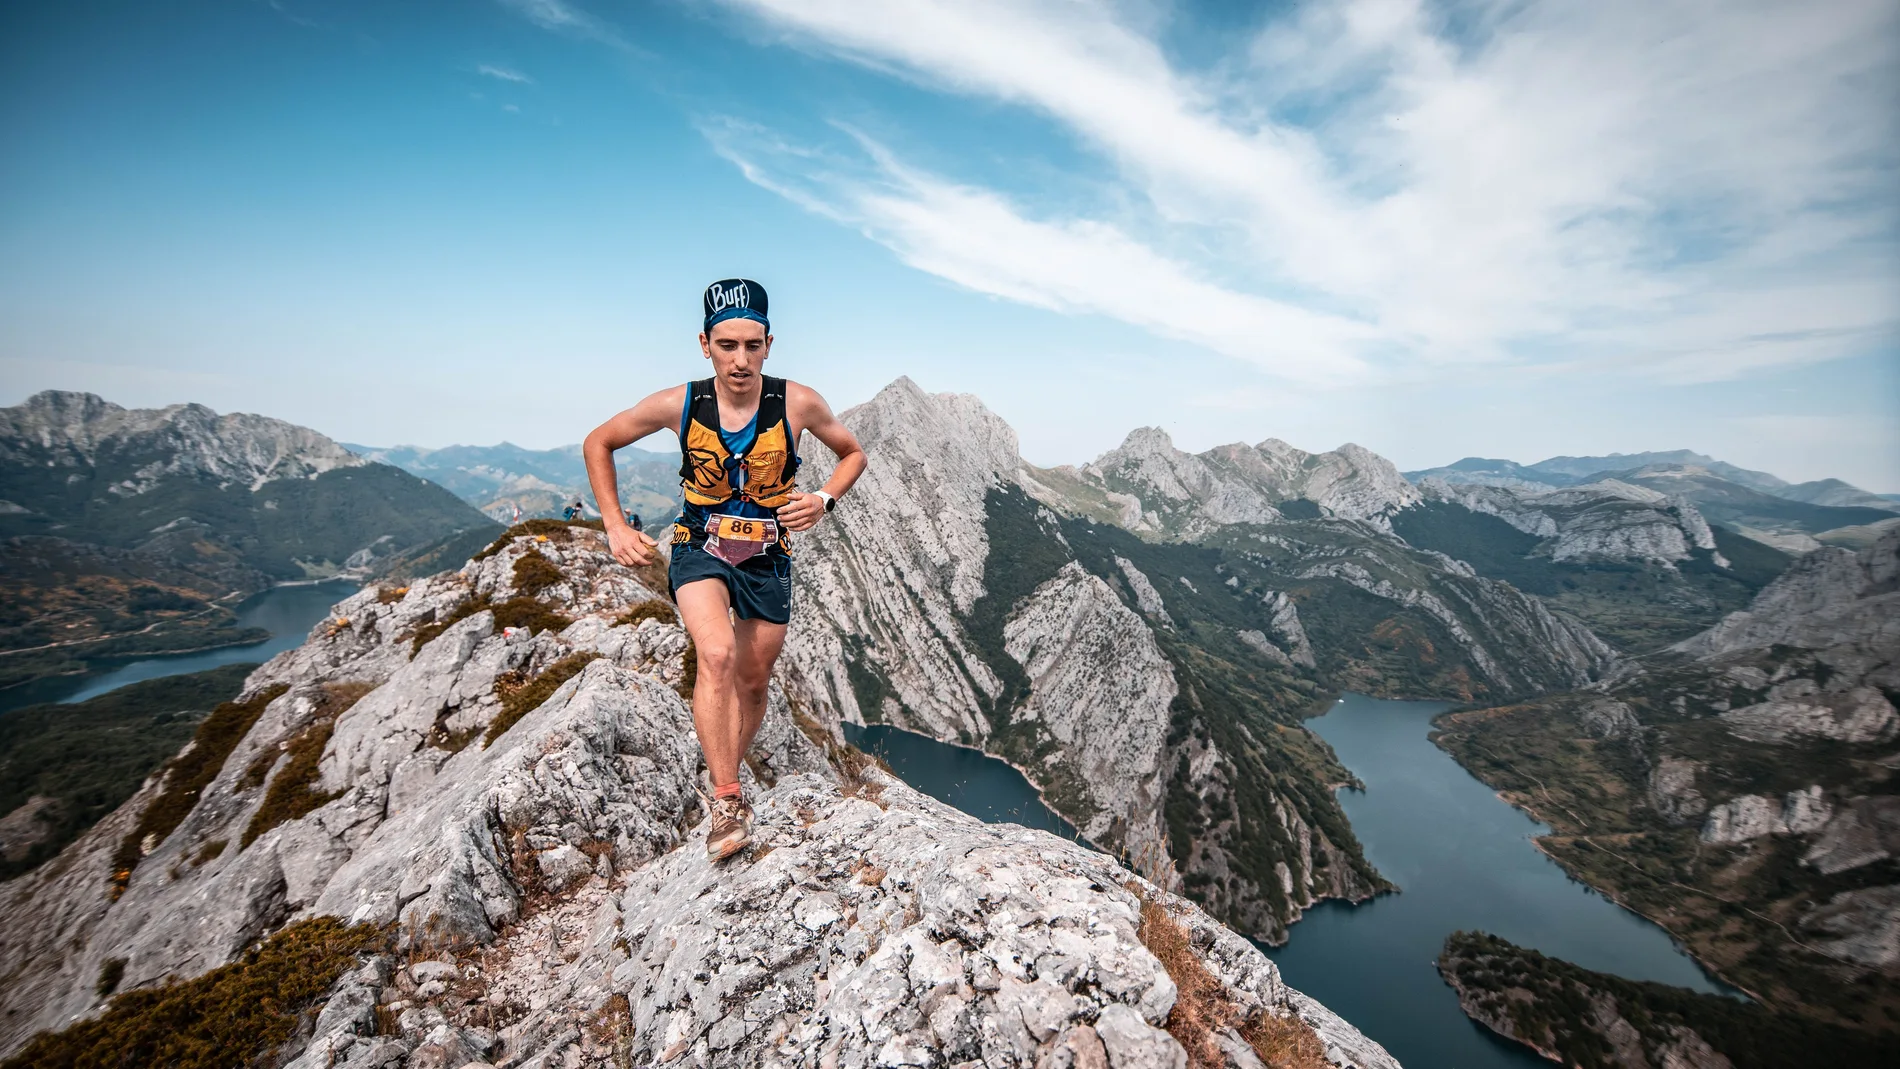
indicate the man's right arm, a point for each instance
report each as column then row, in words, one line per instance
column 655, row 413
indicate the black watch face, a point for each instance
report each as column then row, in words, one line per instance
column 830, row 503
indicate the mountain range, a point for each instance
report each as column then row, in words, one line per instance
column 1143, row 636
column 1796, row 517
column 501, row 479
column 133, row 530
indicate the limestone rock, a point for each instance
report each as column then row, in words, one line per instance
column 1861, row 927
column 1104, row 689
column 1862, row 832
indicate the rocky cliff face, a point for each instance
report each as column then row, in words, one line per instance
column 1607, row 520
column 496, row 766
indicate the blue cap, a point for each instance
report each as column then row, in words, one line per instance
column 735, row 298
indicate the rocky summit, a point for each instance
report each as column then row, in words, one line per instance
column 495, row 765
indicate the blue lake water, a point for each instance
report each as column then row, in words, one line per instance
column 988, row 788
column 287, row 612
column 1463, row 859
column 1462, row 856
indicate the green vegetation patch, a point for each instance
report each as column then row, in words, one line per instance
column 519, row 698
column 1555, row 1005
column 187, row 775
column 88, row 757
column 293, row 793
column 235, row 1015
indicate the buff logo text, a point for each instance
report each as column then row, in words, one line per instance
column 737, row 297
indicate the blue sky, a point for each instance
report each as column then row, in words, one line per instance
column 1503, row 229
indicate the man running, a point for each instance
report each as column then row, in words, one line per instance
column 731, row 566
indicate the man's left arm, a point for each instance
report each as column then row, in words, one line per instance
column 809, row 412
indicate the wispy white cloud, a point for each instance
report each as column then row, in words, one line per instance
column 976, row 238
column 1688, row 189
column 506, row 74
column 565, row 17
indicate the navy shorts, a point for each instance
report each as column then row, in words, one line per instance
column 760, row 589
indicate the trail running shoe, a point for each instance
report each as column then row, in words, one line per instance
column 730, row 830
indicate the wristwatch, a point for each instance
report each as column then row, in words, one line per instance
column 830, row 502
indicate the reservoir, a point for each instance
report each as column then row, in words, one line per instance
column 1463, row 859
column 985, row 787
column 1462, row 856
column 287, row 612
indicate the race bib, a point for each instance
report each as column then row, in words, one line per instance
column 736, row 539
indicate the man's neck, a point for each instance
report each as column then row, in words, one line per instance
column 735, row 402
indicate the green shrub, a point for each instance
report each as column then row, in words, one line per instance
column 235, row 1015
column 649, row 610
column 521, row 699
column 187, row 775
column 535, row 573
column 293, row 792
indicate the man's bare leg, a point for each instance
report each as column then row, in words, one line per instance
column 757, row 650
column 706, row 611
column 735, row 665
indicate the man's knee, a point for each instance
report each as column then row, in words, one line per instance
column 751, row 684
column 715, row 658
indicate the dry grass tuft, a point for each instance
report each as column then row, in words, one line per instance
column 185, row 777
column 1204, row 1007
column 515, row 612
column 689, row 671
column 520, row 699
column 535, row 573
column 554, row 530
column 389, row 595
column 293, row 791
column 235, row 1015
column 653, row 609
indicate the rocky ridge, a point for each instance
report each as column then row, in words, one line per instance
column 548, row 900
column 1158, row 490
column 66, row 430
column 1606, row 520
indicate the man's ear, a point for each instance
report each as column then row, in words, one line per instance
column 705, row 346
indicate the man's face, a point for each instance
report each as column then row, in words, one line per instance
column 737, row 347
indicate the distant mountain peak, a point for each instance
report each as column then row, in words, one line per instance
column 70, row 429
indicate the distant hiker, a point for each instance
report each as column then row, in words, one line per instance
column 730, row 566
column 633, row 521
column 571, row 512
column 516, row 517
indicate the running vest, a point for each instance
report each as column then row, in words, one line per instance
column 762, row 475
